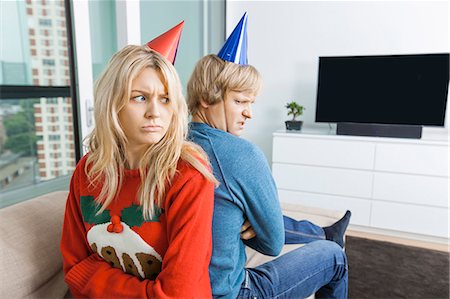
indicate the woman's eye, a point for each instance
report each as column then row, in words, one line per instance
column 139, row 99
column 238, row 102
column 165, row 100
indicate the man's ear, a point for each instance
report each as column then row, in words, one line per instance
column 204, row 104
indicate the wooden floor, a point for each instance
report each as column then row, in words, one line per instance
column 398, row 240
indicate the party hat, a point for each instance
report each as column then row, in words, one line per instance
column 235, row 47
column 167, row 43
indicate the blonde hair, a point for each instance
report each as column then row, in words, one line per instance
column 107, row 142
column 213, row 77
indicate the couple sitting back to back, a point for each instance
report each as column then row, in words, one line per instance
column 132, row 231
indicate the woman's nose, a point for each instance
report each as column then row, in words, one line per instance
column 152, row 109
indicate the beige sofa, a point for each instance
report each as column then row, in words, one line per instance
column 29, row 248
column 31, row 265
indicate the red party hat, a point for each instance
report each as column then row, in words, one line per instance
column 167, row 43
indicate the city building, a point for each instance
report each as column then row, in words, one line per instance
column 49, row 61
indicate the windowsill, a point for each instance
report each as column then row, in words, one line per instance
column 18, row 195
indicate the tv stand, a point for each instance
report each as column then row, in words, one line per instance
column 379, row 130
column 393, row 186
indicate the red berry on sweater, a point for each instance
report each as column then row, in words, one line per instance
column 118, row 228
column 110, row 228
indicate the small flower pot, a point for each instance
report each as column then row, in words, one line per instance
column 294, row 125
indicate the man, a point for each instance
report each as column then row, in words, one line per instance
column 221, row 91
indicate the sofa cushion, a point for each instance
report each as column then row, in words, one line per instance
column 29, row 248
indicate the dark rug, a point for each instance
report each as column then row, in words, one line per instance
column 387, row 270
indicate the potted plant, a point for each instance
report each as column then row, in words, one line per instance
column 295, row 110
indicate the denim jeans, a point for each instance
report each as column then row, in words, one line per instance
column 301, row 231
column 318, row 267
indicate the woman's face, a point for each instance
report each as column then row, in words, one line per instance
column 146, row 116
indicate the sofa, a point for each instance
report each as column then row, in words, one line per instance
column 30, row 237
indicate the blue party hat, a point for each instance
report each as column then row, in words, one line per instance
column 235, row 47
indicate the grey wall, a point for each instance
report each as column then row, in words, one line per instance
column 203, row 30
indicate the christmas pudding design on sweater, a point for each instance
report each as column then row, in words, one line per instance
column 116, row 238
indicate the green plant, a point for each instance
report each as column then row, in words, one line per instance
column 294, row 109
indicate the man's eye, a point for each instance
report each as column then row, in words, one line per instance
column 165, row 100
column 139, row 99
column 238, row 102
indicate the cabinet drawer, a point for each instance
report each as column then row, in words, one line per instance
column 360, row 208
column 416, row 189
column 417, row 159
column 346, row 154
column 356, row 183
column 411, row 218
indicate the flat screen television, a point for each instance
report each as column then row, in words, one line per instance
column 378, row 93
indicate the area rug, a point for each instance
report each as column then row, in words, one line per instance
column 387, row 270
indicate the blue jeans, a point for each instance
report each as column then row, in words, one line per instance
column 318, row 267
column 301, row 232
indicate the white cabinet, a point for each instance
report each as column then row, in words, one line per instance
column 390, row 184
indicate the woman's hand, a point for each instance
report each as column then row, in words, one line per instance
column 247, row 231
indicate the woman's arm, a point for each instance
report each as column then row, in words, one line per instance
column 185, row 265
column 189, row 225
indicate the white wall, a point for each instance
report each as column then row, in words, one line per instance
column 286, row 38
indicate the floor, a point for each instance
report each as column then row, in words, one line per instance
column 398, row 240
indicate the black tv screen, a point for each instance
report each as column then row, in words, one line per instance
column 395, row 89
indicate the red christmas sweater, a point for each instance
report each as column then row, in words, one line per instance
column 118, row 254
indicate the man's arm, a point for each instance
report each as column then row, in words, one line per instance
column 254, row 181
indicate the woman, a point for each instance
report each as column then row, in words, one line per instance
column 138, row 216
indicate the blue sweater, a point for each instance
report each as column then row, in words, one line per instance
column 247, row 191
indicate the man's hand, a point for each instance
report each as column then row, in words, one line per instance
column 247, row 231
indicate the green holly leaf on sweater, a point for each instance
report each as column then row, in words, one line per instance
column 89, row 209
column 133, row 216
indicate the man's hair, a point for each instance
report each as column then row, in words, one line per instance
column 107, row 142
column 213, row 77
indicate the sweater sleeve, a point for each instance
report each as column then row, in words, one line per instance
column 185, row 264
column 189, row 214
column 259, row 198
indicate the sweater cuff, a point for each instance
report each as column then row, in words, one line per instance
column 79, row 275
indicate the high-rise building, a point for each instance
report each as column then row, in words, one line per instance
column 46, row 26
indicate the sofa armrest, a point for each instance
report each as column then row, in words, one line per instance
column 29, row 248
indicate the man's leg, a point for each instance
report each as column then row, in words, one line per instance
column 303, row 231
column 318, row 267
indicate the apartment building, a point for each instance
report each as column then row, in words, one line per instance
column 49, row 63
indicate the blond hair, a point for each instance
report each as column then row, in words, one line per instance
column 107, row 142
column 213, row 77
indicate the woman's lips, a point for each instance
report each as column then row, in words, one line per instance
column 152, row 128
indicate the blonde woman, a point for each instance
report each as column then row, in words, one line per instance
column 138, row 216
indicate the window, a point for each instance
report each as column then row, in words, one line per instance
column 32, row 115
column 54, row 137
column 45, row 22
column 50, row 62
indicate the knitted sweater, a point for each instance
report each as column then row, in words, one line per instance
column 246, row 191
column 118, row 254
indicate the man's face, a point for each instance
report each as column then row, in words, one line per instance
column 237, row 107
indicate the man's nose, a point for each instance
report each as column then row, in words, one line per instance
column 247, row 112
